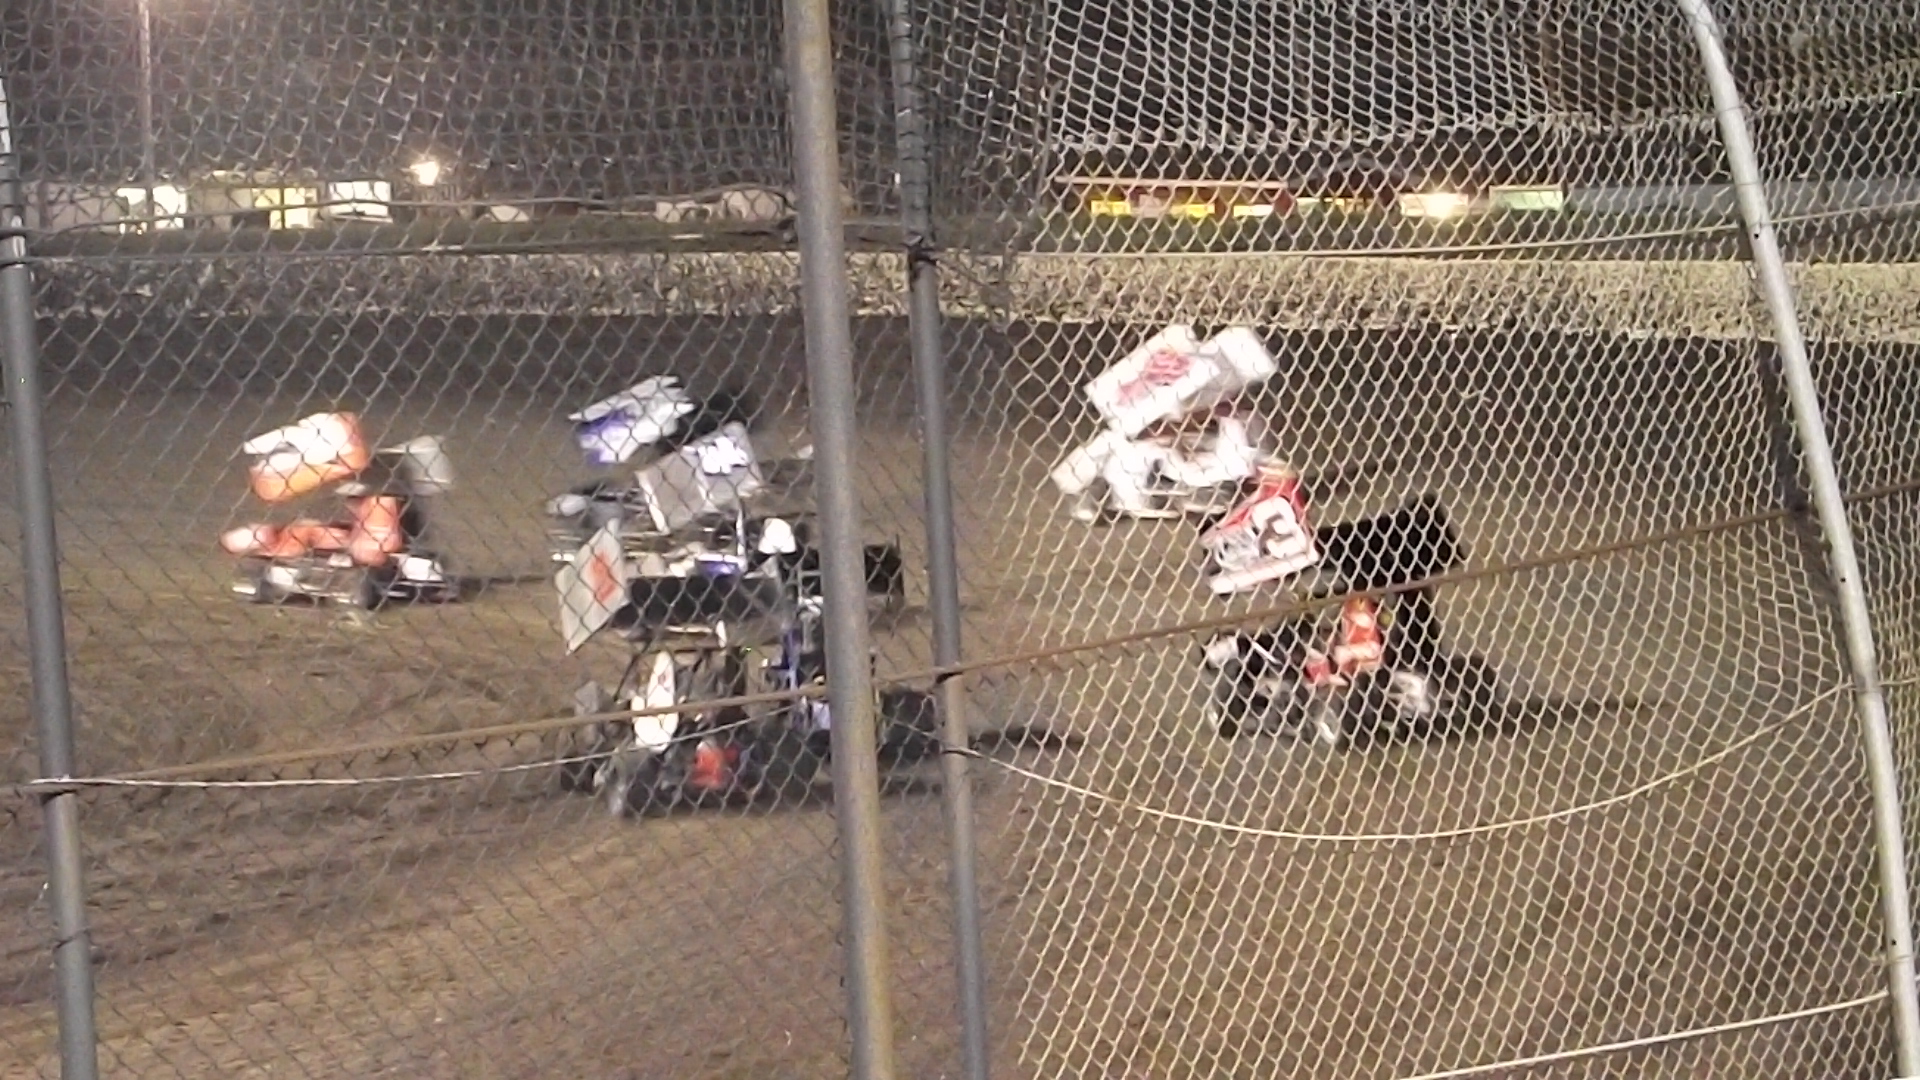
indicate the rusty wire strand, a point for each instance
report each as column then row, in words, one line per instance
column 1027, row 658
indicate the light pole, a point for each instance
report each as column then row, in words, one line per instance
column 147, row 179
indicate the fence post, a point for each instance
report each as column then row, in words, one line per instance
column 943, row 567
column 46, row 629
column 829, row 335
column 1856, row 619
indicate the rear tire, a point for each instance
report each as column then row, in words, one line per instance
column 581, row 758
column 369, row 592
column 638, row 793
column 622, row 784
column 264, row 590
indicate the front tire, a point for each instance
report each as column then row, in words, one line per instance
column 264, row 590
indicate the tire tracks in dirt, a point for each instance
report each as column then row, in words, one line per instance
column 454, row 990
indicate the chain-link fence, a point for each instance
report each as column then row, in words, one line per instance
column 1241, row 313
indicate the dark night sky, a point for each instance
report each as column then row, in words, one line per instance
column 604, row 98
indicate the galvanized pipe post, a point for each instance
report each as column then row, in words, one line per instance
column 148, row 158
column 943, row 565
column 856, row 779
column 46, row 628
column 1870, row 701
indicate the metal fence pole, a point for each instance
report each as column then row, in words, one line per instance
column 46, row 630
column 823, row 287
column 1856, row 618
column 943, row 567
column 149, row 160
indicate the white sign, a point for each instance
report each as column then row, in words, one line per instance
column 593, row 586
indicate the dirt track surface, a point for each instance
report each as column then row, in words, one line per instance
column 494, row 928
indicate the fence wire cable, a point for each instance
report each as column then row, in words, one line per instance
column 1652, row 1041
column 409, row 743
column 63, row 785
column 1683, row 232
column 968, row 668
column 1263, row 833
column 649, row 239
column 60, row 785
column 1295, row 607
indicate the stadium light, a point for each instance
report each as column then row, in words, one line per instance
column 1435, row 206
